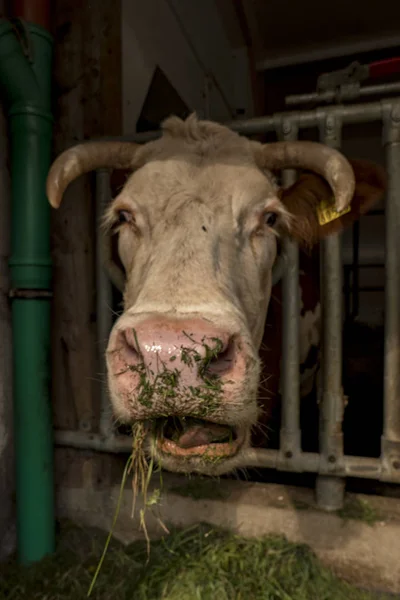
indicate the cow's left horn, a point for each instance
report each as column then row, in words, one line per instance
column 325, row 161
column 83, row 158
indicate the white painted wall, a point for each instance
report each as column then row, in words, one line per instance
column 187, row 40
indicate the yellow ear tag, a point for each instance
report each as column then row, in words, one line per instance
column 327, row 212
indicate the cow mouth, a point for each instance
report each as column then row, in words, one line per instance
column 190, row 437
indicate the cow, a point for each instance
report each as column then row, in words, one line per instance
column 199, row 224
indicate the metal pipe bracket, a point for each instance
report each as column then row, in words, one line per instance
column 330, row 127
column 391, row 122
column 390, row 458
column 286, row 128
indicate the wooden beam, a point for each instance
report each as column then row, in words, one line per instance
column 87, row 103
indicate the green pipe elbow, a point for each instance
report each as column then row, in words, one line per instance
column 25, row 78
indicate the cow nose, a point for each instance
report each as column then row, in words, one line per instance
column 188, row 346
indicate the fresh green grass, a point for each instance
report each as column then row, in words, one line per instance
column 200, row 563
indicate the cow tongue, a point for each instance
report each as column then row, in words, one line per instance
column 201, row 435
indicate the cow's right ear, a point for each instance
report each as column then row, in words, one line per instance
column 311, row 204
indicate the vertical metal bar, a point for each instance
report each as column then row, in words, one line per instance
column 330, row 489
column 391, row 429
column 347, row 291
column 104, row 300
column 290, row 433
column 355, row 296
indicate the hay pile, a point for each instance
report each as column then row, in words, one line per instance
column 200, row 563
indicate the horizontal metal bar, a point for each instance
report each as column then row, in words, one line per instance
column 352, row 466
column 297, row 58
column 115, row 444
column 356, row 113
column 347, row 93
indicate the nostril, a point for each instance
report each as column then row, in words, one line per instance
column 130, row 344
column 222, row 357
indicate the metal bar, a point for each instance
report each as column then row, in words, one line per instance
column 338, row 50
column 103, row 300
column 353, row 114
column 116, row 444
column 382, row 88
column 342, row 94
column 355, row 295
column 391, row 429
column 347, row 291
column 290, row 433
column 330, row 491
column 352, row 466
column 357, row 113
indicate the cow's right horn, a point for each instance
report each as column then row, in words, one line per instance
column 83, row 158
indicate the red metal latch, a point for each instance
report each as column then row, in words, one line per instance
column 383, row 68
column 355, row 73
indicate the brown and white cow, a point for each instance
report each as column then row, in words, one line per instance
column 199, row 222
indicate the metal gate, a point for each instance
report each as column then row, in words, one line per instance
column 331, row 465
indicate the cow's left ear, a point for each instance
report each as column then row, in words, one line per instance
column 311, row 204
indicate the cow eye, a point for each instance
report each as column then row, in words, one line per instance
column 124, row 216
column 270, row 218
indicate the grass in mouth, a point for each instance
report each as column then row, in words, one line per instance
column 141, row 470
column 165, row 385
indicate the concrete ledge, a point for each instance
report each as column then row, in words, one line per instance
column 365, row 554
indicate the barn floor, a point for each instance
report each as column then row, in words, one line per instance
column 196, row 563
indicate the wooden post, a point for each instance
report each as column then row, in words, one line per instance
column 87, row 103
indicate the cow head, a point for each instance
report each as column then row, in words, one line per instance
column 198, row 224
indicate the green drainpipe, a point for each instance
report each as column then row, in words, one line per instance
column 25, row 82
